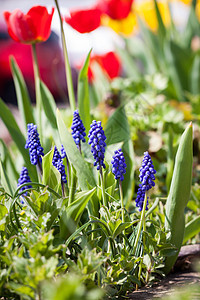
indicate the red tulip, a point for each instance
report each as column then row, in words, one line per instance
column 109, row 63
column 84, row 20
column 35, row 26
column 116, row 9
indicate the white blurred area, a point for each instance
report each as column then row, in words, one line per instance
column 101, row 40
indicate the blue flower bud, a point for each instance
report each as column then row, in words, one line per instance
column 147, row 178
column 58, row 164
column 78, row 129
column 119, row 165
column 33, row 144
column 97, row 141
column 24, row 178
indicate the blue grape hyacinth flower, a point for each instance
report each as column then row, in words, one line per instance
column 78, row 129
column 24, row 178
column 62, row 152
column 97, row 141
column 33, row 144
column 118, row 165
column 58, row 164
column 147, row 178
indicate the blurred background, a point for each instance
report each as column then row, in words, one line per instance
column 103, row 40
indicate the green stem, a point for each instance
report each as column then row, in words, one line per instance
column 103, row 188
column 122, row 201
column 37, row 89
column 142, row 218
column 70, row 86
column 72, row 186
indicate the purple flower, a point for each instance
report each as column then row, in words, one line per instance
column 58, row 164
column 119, row 165
column 147, row 178
column 78, row 129
column 63, row 153
column 33, row 144
column 24, row 178
column 97, row 141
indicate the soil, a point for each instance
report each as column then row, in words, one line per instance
column 183, row 275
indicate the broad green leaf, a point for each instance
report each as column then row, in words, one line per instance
column 84, row 173
column 3, row 213
column 83, row 94
column 179, row 194
column 51, row 175
column 17, row 137
column 48, row 104
column 23, row 99
column 117, row 130
column 5, row 181
column 191, row 229
column 71, row 215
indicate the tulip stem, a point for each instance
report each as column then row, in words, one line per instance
column 70, row 86
column 37, row 89
column 142, row 219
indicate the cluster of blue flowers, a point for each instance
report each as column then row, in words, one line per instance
column 58, row 164
column 62, row 152
column 78, row 129
column 147, row 178
column 24, row 178
column 97, row 141
column 119, row 165
column 33, row 144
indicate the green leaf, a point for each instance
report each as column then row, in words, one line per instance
column 71, row 215
column 51, row 175
column 195, row 75
column 161, row 26
column 17, row 137
column 5, row 180
column 191, row 229
column 117, row 130
column 49, row 105
column 23, row 99
column 179, row 194
column 83, row 94
column 3, row 213
column 84, row 173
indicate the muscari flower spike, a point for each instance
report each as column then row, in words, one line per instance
column 24, row 178
column 147, row 178
column 33, row 144
column 62, row 152
column 78, row 129
column 97, row 141
column 119, row 165
column 58, row 164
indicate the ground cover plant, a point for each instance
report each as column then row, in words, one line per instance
column 88, row 210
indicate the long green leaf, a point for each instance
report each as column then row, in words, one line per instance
column 117, row 130
column 84, row 173
column 83, row 94
column 161, row 26
column 17, row 137
column 48, row 104
column 23, row 99
column 195, row 75
column 179, row 194
column 5, row 180
column 191, row 229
